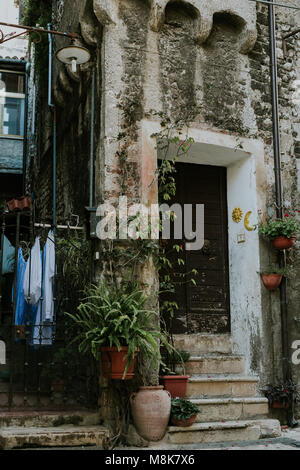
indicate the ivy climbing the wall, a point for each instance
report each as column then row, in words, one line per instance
column 38, row 13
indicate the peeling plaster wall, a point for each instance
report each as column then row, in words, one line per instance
column 168, row 57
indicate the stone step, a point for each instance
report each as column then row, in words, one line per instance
column 197, row 344
column 215, row 364
column 63, row 436
column 223, row 432
column 221, row 386
column 223, row 409
column 49, row 418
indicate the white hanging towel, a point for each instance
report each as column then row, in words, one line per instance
column 43, row 330
column 32, row 284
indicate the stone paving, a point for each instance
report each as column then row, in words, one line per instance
column 290, row 440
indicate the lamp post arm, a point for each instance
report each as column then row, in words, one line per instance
column 32, row 29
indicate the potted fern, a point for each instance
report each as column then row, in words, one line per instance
column 173, row 374
column 115, row 322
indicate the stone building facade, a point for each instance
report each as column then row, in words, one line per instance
column 173, row 57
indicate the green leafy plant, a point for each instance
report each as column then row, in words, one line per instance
column 183, row 409
column 173, row 358
column 73, row 255
column 282, row 392
column 276, row 270
column 272, row 228
column 118, row 316
column 37, row 12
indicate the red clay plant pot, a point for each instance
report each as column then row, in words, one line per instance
column 281, row 405
column 283, row 243
column 175, row 385
column 271, row 281
column 183, row 423
column 114, row 363
column 19, row 204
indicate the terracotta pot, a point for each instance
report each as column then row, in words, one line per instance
column 151, row 409
column 175, row 384
column 58, row 385
column 281, row 405
column 19, row 204
column 183, row 423
column 271, row 281
column 114, row 363
column 283, row 243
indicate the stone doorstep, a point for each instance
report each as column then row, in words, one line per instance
column 221, row 386
column 197, row 344
column 223, row 432
column 63, row 436
column 220, row 409
column 215, row 364
column 49, row 418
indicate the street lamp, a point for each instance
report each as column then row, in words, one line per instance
column 73, row 55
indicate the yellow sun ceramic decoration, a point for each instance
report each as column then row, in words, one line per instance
column 247, row 224
column 237, row 215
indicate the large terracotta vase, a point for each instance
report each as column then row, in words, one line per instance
column 271, row 281
column 114, row 363
column 283, row 243
column 151, row 409
column 175, row 384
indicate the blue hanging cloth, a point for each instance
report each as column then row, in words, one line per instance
column 8, row 256
column 21, row 304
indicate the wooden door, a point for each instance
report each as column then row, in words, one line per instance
column 204, row 307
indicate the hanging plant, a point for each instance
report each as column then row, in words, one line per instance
column 280, row 231
column 273, row 275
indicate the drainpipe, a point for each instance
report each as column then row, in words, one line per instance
column 92, row 141
column 286, row 367
column 52, row 107
column 25, row 141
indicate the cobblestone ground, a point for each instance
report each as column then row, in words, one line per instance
column 290, row 440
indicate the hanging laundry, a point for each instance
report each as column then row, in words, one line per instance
column 49, row 276
column 43, row 329
column 32, row 286
column 21, row 309
column 8, row 259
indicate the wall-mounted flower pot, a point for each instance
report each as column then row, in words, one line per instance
column 114, row 363
column 283, row 243
column 183, row 423
column 20, row 204
column 279, row 405
column 175, row 384
column 271, row 281
column 151, row 408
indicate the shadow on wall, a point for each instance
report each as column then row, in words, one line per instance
column 178, row 52
column 223, row 94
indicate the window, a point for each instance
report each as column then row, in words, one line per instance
column 12, row 104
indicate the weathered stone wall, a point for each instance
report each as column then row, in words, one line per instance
column 72, row 99
column 169, row 62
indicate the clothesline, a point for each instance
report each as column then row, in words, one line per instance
column 60, row 227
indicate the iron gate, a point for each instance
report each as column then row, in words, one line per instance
column 38, row 373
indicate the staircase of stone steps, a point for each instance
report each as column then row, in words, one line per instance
column 228, row 400
column 51, row 429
